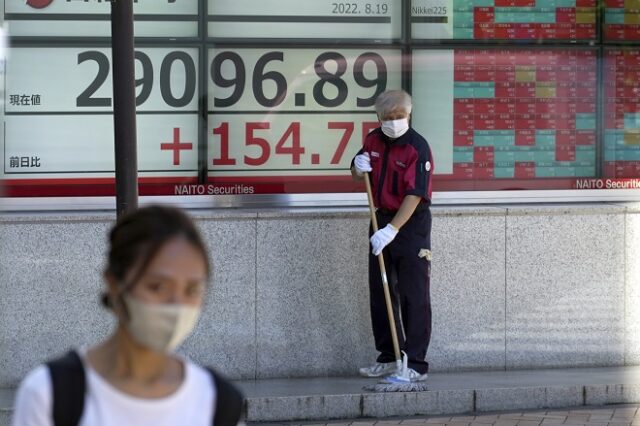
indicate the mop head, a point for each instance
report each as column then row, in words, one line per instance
column 398, row 382
column 397, row 387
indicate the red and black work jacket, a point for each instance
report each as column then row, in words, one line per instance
column 401, row 167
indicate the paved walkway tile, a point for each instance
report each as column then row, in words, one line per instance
column 610, row 415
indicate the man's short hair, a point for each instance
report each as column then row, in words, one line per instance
column 393, row 100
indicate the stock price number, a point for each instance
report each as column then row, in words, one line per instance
column 167, row 67
column 279, row 145
column 250, row 79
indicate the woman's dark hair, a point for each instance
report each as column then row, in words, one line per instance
column 138, row 236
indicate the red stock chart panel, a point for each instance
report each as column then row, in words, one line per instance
column 504, row 19
column 515, row 114
column 622, row 20
column 622, row 113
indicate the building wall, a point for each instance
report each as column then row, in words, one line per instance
column 513, row 287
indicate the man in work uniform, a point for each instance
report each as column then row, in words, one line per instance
column 400, row 165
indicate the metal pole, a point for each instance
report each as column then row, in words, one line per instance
column 124, row 106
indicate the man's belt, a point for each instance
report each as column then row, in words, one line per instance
column 389, row 212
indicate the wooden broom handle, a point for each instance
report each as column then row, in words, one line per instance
column 383, row 272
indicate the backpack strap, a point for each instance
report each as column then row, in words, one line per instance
column 229, row 401
column 69, row 387
column 68, row 384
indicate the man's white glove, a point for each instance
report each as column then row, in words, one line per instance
column 382, row 238
column 362, row 163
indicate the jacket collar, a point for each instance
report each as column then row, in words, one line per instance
column 402, row 140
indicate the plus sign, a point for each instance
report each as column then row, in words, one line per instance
column 176, row 146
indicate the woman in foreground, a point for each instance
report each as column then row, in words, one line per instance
column 156, row 276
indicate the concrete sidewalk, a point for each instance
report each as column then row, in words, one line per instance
column 610, row 415
column 313, row 399
column 451, row 393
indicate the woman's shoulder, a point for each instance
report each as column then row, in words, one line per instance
column 227, row 396
column 205, row 377
column 37, row 381
column 197, row 375
column 34, row 398
column 204, row 373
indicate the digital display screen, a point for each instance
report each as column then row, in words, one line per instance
column 622, row 20
column 507, row 114
column 305, row 19
column 275, row 97
column 293, row 112
column 58, row 120
column 92, row 18
column 504, row 19
column 274, row 115
column 622, row 113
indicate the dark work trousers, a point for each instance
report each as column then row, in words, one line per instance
column 408, row 276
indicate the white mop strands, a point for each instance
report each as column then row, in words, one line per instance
column 397, row 387
column 398, row 382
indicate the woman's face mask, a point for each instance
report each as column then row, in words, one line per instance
column 160, row 327
column 162, row 308
column 395, row 128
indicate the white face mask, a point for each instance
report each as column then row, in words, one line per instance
column 395, row 128
column 160, row 327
